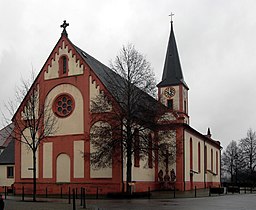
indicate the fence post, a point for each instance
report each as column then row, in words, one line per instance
column 174, row 192
column 46, row 192
column 69, row 199
column 5, row 192
column 210, row 191
column 61, row 192
column 81, row 196
column 74, row 200
column 22, row 193
column 195, row 191
column 84, row 202
column 97, row 193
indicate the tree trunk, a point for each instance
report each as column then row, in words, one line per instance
column 34, row 175
column 129, row 169
column 129, row 161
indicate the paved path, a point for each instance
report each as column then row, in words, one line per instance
column 225, row 202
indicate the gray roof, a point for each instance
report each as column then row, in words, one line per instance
column 112, row 81
column 172, row 73
column 5, row 133
column 7, row 156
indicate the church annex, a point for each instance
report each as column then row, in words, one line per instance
column 68, row 81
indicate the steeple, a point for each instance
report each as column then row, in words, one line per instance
column 172, row 73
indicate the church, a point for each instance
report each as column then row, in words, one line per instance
column 67, row 83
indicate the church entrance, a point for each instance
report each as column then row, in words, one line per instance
column 63, row 168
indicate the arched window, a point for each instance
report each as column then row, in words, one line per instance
column 217, row 163
column 199, row 157
column 205, row 159
column 63, row 65
column 150, row 148
column 191, row 153
column 211, row 160
column 136, row 148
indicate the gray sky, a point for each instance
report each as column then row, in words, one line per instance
column 216, row 42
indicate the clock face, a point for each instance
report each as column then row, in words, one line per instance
column 169, row 92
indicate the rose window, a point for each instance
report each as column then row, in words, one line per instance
column 63, row 105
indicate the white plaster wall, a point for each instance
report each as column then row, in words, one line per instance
column 78, row 159
column 198, row 176
column 74, row 66
column 94, row 89
column 142, row 173
column 47, row 160
column 209, row 176
column 27, row 157
column 74, row 123
column 33, row 101
column 4, row 181
column 63, row 168
column 98, row 97
column 99, row 172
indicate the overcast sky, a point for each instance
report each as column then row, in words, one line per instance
column 216, row 42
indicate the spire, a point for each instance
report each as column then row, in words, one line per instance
column 64, row 26
column 209, row 133
column 172, row 73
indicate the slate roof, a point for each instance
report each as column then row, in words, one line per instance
column 4, row 134
column 7, row 143
column 7, row 156
column 172, row 73
column 112, row 81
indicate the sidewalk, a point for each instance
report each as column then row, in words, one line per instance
column 14, row 203
column 226, row 202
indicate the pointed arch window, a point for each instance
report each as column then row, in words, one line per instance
column 211, row 160
column 150, row 150
column 217, row 163
column 199, row 158
column 63, row 65
column 136, row 148
column 191, row 154
column 205, row 159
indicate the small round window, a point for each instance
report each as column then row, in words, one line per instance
column 63, row 105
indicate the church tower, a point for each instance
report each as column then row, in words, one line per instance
column 173, row 90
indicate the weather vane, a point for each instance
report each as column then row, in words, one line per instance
column 171, row 16
column 64, row 26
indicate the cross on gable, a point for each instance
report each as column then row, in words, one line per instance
column 64, row 26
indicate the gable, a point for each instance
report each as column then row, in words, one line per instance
column 74, row 64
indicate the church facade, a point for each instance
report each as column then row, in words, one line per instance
column 67, row 83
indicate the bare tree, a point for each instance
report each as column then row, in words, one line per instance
column 248, row 150
column 131, row 111
column 231, row 161
column 33, row 121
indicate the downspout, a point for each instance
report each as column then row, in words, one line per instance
column 122, row 162
column 220, row 165
column 205, row 165
column 183, row 147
